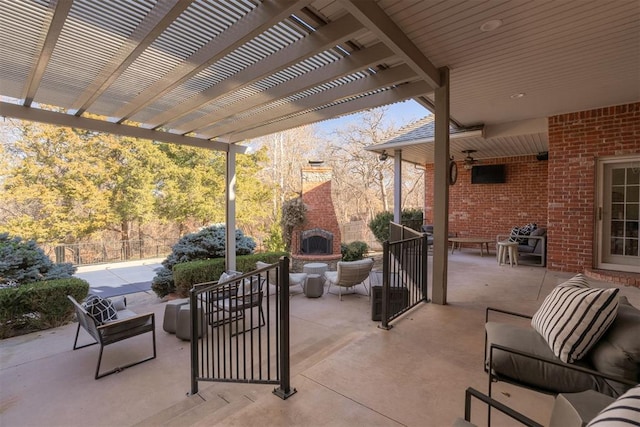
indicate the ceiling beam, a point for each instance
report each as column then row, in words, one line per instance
column 383, row 79
column 69, row 120
column 156, row 21
column 324, row 38
column 253, row 24
column 357, row 61
column 374, row 18
column 391, row 96
column 56, row 23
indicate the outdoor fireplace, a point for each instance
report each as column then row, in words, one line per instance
column 316, row 242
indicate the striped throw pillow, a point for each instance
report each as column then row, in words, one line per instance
column 624, row 411
column 574, row 316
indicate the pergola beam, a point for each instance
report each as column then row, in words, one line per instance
column 154, row 24
column 250, row 26
column 69, row 120
column 319, row 41
column 54, row 29
column 357, row 61
column 385, row 78
column 397, row 94
column 379, row 23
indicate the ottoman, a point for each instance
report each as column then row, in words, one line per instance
column 315, row 286
column 183, row 323
column 171, row 314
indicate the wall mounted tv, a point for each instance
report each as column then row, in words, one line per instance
column 488, row 174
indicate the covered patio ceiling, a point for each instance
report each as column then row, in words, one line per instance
column 213, row 73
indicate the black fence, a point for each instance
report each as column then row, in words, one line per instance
column 404, row 272
column 242, row 329
column 109, row 251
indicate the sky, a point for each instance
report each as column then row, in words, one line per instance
column 400, row 113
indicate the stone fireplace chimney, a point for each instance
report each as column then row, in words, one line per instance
column 319, row 237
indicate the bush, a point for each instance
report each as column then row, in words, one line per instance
column 202, row 271
column 37, row 306
column 209, row 242
column 22, row 261
column 353, row 251
column 379, row 225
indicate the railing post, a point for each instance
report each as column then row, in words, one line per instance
column 385, row 286
column 284, row 391
column 425, row 265
column 193, row 301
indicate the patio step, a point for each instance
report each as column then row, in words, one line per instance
column 209, row 406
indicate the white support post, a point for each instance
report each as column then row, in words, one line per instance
column 397, row 186
column 230, row 179
column 441, row 191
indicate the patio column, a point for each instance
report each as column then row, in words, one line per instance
column 230, row 194
column 397, row 186
column 441, row 190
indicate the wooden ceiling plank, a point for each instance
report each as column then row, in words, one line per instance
column 319, row 41
column 156, row 22
column 377, row 81
column 357, row 61
column 374, row 18
column 253, row 24
column 69, row 120
column 397, row 94
column 54, row 29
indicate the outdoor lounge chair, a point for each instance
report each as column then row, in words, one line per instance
column 349, row 275
column 127, row 325
column 231, row 310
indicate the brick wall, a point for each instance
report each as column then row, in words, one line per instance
column 486, row 210
column 576, row 141
column 316, row 195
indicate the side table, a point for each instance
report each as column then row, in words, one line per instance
column 315, row 268
column 507, row 248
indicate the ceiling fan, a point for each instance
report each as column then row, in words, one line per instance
column 469, row 161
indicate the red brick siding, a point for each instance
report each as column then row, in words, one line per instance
column 486, row 210
column 576, row 141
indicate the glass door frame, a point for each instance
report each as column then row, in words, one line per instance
column 603, row 216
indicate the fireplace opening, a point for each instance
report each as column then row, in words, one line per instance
column 316, row 242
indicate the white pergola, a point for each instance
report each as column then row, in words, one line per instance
column 215, row 73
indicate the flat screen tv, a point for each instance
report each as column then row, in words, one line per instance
column 488, row 174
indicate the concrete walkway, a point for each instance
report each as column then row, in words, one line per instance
column 107, row 280
column 347, row 371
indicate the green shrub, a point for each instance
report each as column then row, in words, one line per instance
column 379, row 225
column 209, row 270
column 353, row 251
column 40, row 305
column 208, row 243
column 22, row 261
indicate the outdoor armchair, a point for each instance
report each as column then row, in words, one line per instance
column 349, row 274
column 128, row 324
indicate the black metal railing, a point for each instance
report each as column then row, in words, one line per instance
column 404, row 272
column 108, row 251
column 242, row 329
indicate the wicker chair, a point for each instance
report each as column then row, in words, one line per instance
column 349, row 275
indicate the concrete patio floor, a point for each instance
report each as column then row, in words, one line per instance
column 346, row 370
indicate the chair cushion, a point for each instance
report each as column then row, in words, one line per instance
column 534, row 373
column 624, row 411
column 577, row 409
column 618, row 351
column 538, row 232
column 574, row 316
